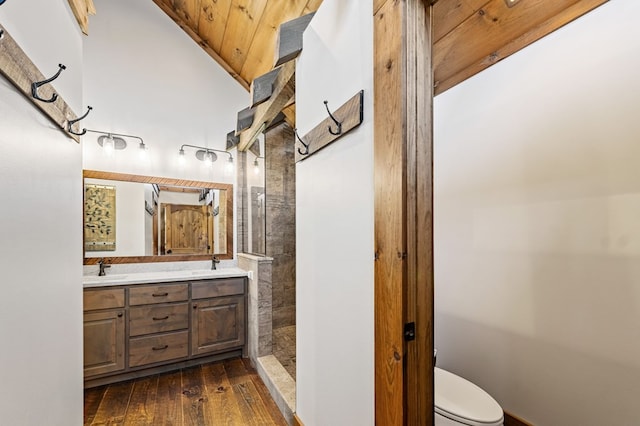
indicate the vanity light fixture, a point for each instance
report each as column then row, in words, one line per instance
column 111, row 142
column 256, row 166
column 208, row 155
column 142, row 150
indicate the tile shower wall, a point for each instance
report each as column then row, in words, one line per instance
column 259, row 309
column 241, row 202
column 280, row 221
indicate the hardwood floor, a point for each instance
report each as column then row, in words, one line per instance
column 223, row 393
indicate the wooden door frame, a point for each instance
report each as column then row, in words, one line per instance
column 403, row 158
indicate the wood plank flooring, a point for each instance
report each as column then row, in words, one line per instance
column 226, row 393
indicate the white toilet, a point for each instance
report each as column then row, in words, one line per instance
column 460, row 402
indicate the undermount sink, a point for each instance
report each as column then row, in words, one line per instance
column 203, row 272
column 88, row 279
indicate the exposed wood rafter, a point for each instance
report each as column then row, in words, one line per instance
column 472, row 35
column 283, row 91
column 81, row 10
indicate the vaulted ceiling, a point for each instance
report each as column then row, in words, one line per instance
column 468, row 35
column 239, row 34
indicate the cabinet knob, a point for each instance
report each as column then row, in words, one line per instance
column 120, row 314
column 195, row 306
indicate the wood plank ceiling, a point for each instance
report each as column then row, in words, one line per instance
column 469, row 35
column 239, row 34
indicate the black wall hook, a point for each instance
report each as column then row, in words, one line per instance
column 306, row 146
column 35, row 85
column 339, row 124
column 71, row 123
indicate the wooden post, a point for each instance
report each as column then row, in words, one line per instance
column 403, row 98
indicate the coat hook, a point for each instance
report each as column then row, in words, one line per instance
column 36, row 84
column 306, row 146
column 71, row 123
column 339, row 124
column 1, row 32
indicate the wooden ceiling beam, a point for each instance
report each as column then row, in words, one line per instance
column 202, row 43
column 260, row 55
column 448, row 14
column 284, row 89
column 290, row 115
column 312, row 6
column 289, row 42
column 493, row 33
column 81, row 10
column 262, row 87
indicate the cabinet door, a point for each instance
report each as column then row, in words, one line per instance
column 217, row 324
column 103, row 342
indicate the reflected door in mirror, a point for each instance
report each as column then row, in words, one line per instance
column 186, row 229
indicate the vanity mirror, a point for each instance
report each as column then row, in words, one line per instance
column 136, row 219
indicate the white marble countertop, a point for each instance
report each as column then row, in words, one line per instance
column 159, row 277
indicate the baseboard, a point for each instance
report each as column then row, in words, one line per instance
column 511, row 420
column 296, row 420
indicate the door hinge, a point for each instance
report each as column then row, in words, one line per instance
column 410, row 331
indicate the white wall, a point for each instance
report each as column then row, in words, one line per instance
column 40, row 213
column 334, row 224
column 537, row 225
column 145, row 76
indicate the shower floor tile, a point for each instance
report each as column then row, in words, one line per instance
column 284, row 348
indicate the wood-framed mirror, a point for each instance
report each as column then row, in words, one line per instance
column 137, row 219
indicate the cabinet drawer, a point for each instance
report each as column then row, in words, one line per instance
column 152, row 349
column 217, row 288
column 148, row 294
column 158, row 319
column 103, row 299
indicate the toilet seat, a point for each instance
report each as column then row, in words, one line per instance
column 464, row 402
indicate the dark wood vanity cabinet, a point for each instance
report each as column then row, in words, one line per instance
column 158, row 323
column 217, row 318
column 104, row 331
column 146, row 329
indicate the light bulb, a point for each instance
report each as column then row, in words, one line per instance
column 256, row 167
column 229, row 166
column 208, row 159
column 181, row 158
column 142, row 151
column 108, row 144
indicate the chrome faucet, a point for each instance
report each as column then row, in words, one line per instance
column 214, row 260
column 102, row 266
